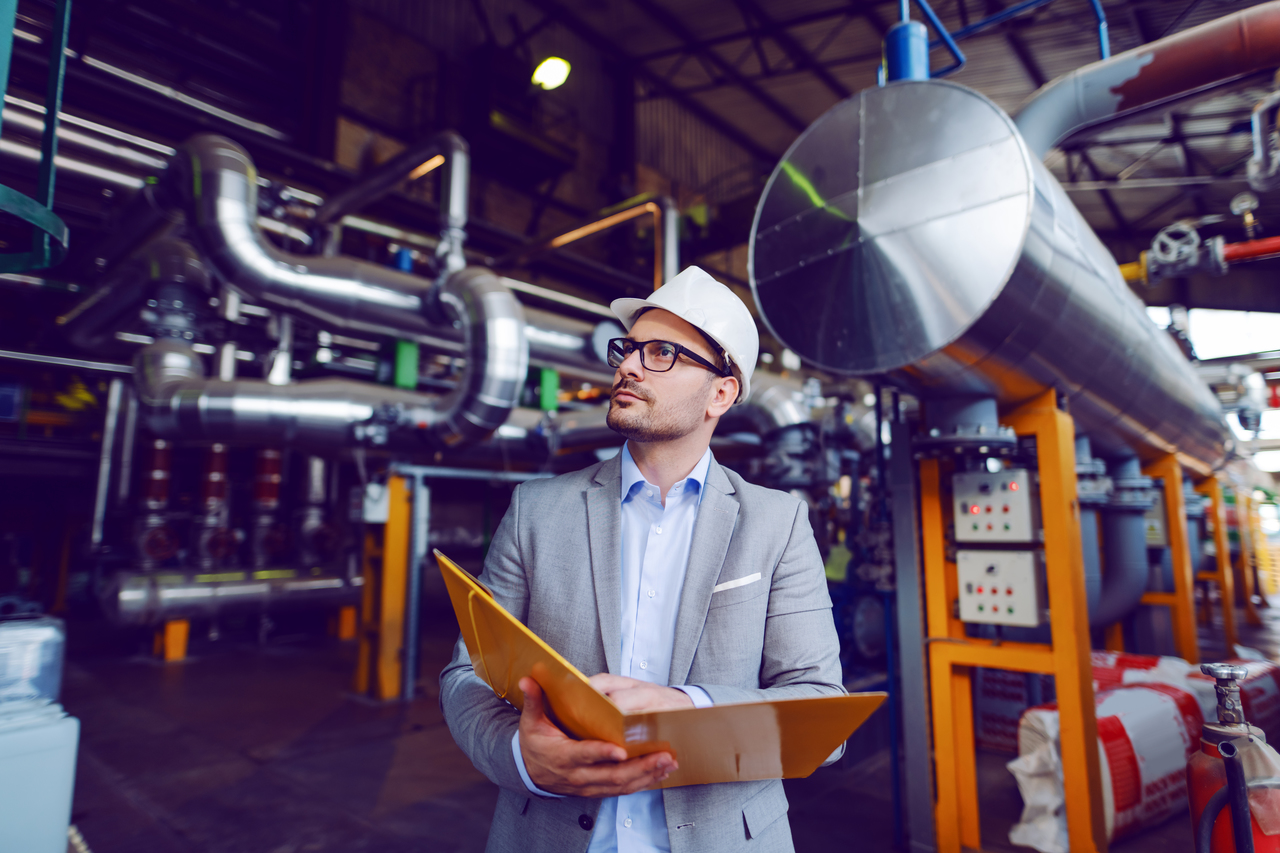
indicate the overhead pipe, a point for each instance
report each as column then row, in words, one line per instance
column 446, row 149
column 1242, row 43
column 180, row 401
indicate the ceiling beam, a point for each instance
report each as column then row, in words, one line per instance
column 801, row 57
column 673, row 25
column 597, row 40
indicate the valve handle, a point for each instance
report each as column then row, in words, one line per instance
column 1228, row 677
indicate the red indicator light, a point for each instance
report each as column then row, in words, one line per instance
column 1006, row 508
column 974, row 509
column 988, row 509
column 979, row 590
column 1009, row 591
column 1013, row 487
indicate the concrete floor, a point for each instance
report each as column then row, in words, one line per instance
column 252, row 749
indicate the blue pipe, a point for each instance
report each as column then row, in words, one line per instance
column 948, row 40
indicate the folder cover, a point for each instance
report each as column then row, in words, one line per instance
column 778, row 739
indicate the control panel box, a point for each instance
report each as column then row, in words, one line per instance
column 1001, row 587
column 1000, row 507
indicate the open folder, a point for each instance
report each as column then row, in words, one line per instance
column 779, row 739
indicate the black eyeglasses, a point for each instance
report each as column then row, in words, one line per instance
column 658, row 356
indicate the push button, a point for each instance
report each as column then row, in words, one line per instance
column 586, row 822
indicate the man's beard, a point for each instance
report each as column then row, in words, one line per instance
column 639, row 421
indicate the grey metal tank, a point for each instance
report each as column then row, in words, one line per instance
column 910, row 233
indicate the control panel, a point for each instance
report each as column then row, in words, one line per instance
column 999, row 507
column 1001, row 587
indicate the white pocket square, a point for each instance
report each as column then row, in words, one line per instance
column 735, row 583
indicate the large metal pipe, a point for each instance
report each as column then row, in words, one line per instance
column 334, row 412
column 909, row 232
column 1222, row 49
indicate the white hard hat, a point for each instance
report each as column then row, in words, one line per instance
column 701, row 301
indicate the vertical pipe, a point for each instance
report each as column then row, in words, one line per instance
column 670, row 239
column 109, row 427
column 455, row 189
column 124, row 478
column 420, row 531
column 281, row 370
column 895, row 710
column 916, row 746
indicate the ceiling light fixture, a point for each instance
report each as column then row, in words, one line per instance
column 551, row 72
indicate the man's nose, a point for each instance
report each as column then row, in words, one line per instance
column 632, row 365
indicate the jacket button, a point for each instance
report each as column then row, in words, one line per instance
column 586, row 822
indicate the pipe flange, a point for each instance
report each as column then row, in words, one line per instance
column 1090, row 467
column 1094, row 491
column 961, row 440
column 1132, row 500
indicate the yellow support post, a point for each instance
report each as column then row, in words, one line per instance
column 1068, row 659
column 1182, row 603
column 386, row 574
column 1212, row 489
column 171, row 640
column 394, row 586
column 347, row 623
column 1244, row 526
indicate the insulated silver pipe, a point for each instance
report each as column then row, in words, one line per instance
column 217, row 183
column 909, row 232
column 336, row 412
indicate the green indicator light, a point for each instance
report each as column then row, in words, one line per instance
column 1006, row 527
column 981, row 607
column 1010, row 609
column 975, row 527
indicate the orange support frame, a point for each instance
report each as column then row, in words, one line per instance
column 1068, row 658
column 383, row 606
column 1182, row 601
column 1223, row 576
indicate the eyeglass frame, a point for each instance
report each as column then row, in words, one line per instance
column 681, row 349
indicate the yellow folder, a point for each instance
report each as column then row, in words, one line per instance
column 779, row 739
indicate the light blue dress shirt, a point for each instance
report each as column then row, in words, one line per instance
column 655, row 559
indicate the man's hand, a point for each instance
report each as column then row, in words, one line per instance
column 631, row 694
column 581, row 768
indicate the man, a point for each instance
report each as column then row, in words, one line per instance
column 675, row 580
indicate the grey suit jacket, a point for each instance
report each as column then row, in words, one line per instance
column 555, row 563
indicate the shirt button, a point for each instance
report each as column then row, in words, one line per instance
column 586, row 821
column 648, row 492
column 627, row 823
column 659, row 529
column 644, row 664
column 652, row 593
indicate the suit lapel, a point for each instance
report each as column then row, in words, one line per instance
column 717, row 515
column 604, row 533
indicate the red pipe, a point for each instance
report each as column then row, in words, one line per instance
column 1244, row 42
column 1251, row 250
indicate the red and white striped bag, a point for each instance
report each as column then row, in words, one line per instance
column 1146, row 734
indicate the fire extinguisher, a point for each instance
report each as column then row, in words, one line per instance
column 1215, row 774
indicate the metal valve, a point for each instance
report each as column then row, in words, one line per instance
column 1228, row 677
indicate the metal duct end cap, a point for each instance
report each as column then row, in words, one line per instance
column 890, row 225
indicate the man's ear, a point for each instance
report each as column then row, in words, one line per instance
column 726, row 392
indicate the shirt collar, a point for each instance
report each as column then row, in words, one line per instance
column 631, row 475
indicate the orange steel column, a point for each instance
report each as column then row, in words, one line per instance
column 1068, row 617
column 956, row 821
column 1182, row 605
column 371, row 560
column 1212, row 489
column 393, row 587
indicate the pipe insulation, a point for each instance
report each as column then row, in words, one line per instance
column 181, row 401
column 1222, row 49
column 910, row 233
